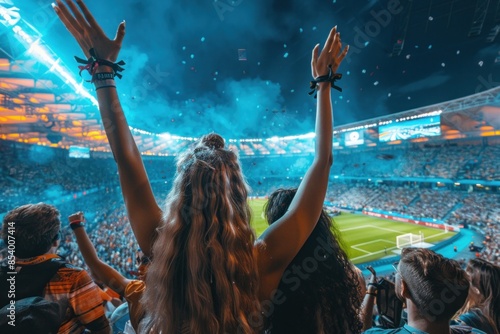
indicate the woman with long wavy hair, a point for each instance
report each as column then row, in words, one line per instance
column 208, row 272
column 482, row 309
column 320, row 287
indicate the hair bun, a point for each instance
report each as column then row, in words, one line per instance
column 213, row 141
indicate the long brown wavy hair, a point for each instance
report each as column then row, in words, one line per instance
column 485, row 276
column 203, row 277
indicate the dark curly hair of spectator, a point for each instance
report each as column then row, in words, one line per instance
column 319, row 290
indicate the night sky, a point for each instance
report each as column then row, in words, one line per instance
column 242, row 68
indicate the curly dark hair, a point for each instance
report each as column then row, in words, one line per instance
column 319, row 290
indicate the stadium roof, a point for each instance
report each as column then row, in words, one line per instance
column 40, row 105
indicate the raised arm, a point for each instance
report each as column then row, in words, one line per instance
column 101, row 270
column 369, row 301
column 144, row 213
column 296, row 225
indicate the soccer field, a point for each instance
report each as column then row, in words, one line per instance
column 365, row 238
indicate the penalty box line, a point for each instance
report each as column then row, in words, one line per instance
column 371, row 226
column 371, row 242
column 356, row 247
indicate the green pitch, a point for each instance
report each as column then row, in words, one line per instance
column 365, row 238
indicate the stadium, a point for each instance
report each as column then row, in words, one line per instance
column 426, row 176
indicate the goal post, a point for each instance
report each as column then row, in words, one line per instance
column 408, row 240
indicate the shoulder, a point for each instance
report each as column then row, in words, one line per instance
column 385, row 331
column 477, row 320
column 71, row 279
column 472, row 315
column 70, row 266
column 69, row 272
column 465, row 330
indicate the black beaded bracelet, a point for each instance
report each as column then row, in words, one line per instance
column 76, row 225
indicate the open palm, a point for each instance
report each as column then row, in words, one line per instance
column 87, row 32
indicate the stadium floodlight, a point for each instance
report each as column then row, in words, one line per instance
column 31, row 39
column 165, row 135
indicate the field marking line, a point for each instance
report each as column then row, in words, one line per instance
column 354, row 228
column 387, row 229
column 372, row 226
column 435, row 235
column 374, row 253
column 356, row 247
column 361, row 250
column 377, row 240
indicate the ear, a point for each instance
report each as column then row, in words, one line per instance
column 405, row 292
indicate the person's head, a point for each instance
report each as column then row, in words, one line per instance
column 485, row 283
column 332, row 288
column 437, row 286
column 142, row 262
column 35, row 228
column 203, row 271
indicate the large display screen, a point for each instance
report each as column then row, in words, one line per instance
column 415, row 128
column 79, row 152
column 354, row 138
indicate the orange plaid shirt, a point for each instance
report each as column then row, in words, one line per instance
column 74, row 287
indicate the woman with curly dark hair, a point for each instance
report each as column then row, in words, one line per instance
column 319, row 290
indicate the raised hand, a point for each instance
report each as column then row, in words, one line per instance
column 331, row 55
column 77, row 217
column 87, row 32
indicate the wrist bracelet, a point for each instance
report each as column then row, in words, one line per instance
column 104, row 83
column 330, row 77
column 373, row 284
column 93, row 62
column 74, row 226
column 107, row 86
column 103, row 76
